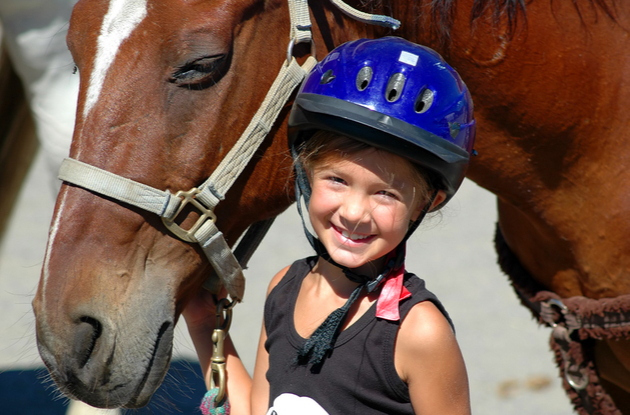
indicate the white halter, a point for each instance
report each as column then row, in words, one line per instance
column 206, row 197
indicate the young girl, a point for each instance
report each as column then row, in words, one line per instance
column 381, row 133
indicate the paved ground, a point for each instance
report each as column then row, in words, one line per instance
column 509, row 364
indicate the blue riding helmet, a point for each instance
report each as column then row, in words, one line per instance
column 394, row 95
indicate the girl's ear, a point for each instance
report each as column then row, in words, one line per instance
column 439, row 198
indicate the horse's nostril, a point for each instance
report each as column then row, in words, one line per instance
column 87, row 333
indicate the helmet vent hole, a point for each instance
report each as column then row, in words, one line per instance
column 364, row 77
column 327, row 77
column 395, row 87
column 424, row 101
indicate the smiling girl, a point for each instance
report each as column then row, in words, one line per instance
column 381, row 134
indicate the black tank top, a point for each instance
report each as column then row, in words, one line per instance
column 358, row 377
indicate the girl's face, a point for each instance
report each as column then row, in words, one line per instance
column 361, row 206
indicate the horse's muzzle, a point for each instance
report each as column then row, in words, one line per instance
column 95, row 362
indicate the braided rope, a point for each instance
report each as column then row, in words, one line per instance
column 210, row 407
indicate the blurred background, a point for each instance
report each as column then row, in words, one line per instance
column 509, row 364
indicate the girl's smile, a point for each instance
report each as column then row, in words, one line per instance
column 352, row 237
column 361, row 206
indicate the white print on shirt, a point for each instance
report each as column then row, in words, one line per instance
column 290, row 404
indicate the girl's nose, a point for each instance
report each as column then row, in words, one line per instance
column 356, row 209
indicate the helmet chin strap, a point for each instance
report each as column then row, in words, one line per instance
column 317, row 347
column 414, row 225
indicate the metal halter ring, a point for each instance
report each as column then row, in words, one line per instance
column 560, row 305
column 205, row 214
column 293, row 42
column 575, row 375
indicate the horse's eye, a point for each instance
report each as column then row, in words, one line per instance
column 200, row 73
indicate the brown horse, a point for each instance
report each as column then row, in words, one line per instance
column 167, row 86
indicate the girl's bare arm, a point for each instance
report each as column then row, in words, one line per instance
column 428, row 359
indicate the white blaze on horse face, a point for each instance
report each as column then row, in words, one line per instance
column 122, row 17
column 51, row 237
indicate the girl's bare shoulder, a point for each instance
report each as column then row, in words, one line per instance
column 277, row 278
column 425, row 332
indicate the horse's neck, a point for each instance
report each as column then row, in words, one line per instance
column 567, row 221
column 556, row 164
column 561, row 184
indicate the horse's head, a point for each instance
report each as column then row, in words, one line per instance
column 161, row 102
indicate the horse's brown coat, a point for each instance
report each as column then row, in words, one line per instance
column 551, row 115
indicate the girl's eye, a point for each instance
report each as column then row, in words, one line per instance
column 388, row 194
column 336, row 179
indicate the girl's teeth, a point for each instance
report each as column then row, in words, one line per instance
column 353, row 236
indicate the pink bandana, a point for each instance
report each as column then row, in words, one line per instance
column 391, row 294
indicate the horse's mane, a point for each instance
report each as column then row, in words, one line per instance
column 507, row 11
